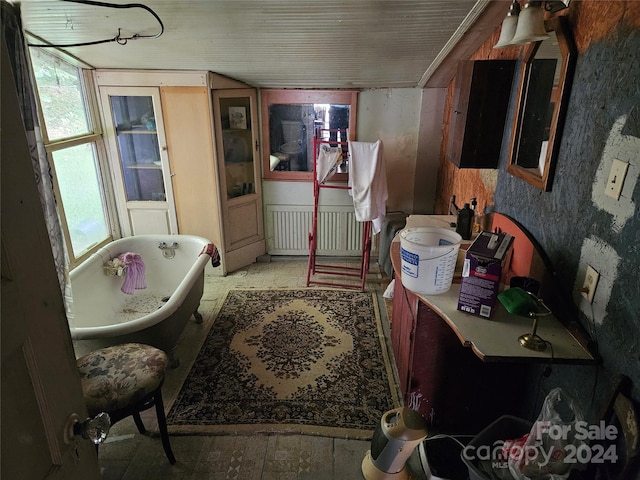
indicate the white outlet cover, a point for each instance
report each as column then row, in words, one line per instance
column 616, row 178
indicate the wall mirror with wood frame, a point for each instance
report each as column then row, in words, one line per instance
column 545, row 78
column 291, row 119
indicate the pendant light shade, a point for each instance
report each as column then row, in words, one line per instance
column 530, row 24
column 509, row 25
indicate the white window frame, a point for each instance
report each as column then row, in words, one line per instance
column 96, row 138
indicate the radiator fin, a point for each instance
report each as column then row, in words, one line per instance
column 288, row 229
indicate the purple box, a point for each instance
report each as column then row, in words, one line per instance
column 483, row 272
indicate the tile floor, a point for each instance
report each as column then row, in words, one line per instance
column 128, row 455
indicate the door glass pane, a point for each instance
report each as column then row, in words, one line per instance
column 235, row 116
column 61, row 96
column 134, row 119
column 292, row 128
column 80, row 191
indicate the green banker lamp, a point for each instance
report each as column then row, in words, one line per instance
column 518, row 301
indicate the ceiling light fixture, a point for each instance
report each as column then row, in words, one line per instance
column 509, row 25
column 530, row 24
column 527, row 24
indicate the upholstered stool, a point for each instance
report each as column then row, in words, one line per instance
column 125, row 380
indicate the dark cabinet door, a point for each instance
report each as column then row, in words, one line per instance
column 402, row 330
column 453, row 390
column 481, row 98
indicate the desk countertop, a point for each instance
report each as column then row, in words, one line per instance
column 496, row 339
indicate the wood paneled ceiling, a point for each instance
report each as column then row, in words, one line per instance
column 277, row 43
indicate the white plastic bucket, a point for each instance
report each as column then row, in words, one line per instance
column 428, row 258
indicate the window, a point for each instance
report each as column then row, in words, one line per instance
column 74, row 149
column 291, row 119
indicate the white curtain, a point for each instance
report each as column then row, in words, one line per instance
column 13, row 35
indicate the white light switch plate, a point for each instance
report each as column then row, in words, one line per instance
column 590, row 283
column 616, row 179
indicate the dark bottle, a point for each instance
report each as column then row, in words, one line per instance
column 464, row 225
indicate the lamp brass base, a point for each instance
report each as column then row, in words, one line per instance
column 532, row 342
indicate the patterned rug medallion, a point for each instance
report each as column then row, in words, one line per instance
column 308, row 361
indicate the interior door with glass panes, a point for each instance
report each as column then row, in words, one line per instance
column 137, row 145
column 239, row 167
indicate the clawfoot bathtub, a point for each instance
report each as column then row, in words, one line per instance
column 101, row 314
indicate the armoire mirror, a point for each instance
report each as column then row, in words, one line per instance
column 546, row 73
column 290, row 120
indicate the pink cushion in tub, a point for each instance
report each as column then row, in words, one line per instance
column 117, row 377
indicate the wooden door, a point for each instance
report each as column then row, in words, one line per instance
column 239, row 176
column 189, row 132
column 134, row 131
column 403, row 327
column 481, row 98
column 40, row 384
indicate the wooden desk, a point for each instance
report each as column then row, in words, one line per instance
column 461, row 371
column 496, row 339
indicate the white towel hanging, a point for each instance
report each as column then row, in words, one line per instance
column 328, row 160
column 368, row 182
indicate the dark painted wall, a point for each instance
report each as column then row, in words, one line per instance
column 577, row 224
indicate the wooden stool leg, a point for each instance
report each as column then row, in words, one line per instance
column 162, row 426
column 138, row 421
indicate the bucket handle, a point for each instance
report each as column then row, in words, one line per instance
column 440, row 256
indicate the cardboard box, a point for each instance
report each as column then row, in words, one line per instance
column 485, row 266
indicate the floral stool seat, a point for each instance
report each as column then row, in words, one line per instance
column 125, row 380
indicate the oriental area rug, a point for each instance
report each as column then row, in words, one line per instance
column 310, row 361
